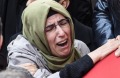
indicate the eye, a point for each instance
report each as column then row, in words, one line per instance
column 63, row 22
column 50, row 27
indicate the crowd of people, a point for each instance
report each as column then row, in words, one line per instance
column 51, row 41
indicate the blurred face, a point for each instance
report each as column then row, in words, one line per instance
column 1, row 40
column 58, row 35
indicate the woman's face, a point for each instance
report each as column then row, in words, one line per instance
column 58, row 35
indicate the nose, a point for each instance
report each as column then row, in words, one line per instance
column 60, row 31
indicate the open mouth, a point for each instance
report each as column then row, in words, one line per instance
column 62, row 43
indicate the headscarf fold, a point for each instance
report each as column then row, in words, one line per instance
column 34, row 18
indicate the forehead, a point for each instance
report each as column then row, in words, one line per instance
column 54, row 18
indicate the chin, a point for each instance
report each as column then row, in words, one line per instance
column 65, row 54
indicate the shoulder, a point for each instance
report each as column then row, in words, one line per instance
column 81, row 46
column 21, row 51
column 20, row 44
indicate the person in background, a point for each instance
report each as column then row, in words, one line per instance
column 47, row 47
column 10, row 12
column 106, row 21
column 15, row 72
column 82, row 10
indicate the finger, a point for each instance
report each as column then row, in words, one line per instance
column 118, row 37
column 32, row 68
column 117, row 52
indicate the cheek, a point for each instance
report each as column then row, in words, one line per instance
column 50, row 38
column 68, row 31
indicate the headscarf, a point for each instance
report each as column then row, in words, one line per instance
column 34, row 18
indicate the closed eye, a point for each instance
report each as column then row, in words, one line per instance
column 63, row 22
column 50, row 27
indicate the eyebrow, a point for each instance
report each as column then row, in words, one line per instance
column 54, row 23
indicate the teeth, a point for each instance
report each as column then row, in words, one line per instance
column 62, row 42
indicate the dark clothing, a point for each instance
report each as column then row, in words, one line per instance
column 84, row 33
column 82, row 11
column 77, row 69
column 3, row 59
column 11, row 17
column 105, row 26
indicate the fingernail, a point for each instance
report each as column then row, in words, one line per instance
column 117, row 54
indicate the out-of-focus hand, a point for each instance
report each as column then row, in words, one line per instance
column 117, row 52
column 118, row 37
column 30, row 67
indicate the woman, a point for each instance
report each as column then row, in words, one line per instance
column 47, row 47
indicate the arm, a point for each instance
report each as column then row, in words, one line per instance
column 28, row 61
column 103, row 51
column 77, row 69
column 102, row 24
column 73, row 70
column 23, row 54
column 80, row 67
column 84, row 64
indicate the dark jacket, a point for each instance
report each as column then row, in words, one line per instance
column 82, row 11
column 10, row 11
column 84, row 33
column 105, row 26
column 81, row 66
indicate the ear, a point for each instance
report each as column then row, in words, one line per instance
column 65, row 3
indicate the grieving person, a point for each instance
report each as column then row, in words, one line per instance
column 47, row 48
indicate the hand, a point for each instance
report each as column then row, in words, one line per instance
column 30, row 67
column 117, row 52
column 118, row 37
column 104, row 50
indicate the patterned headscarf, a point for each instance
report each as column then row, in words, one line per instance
column 34, row 18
